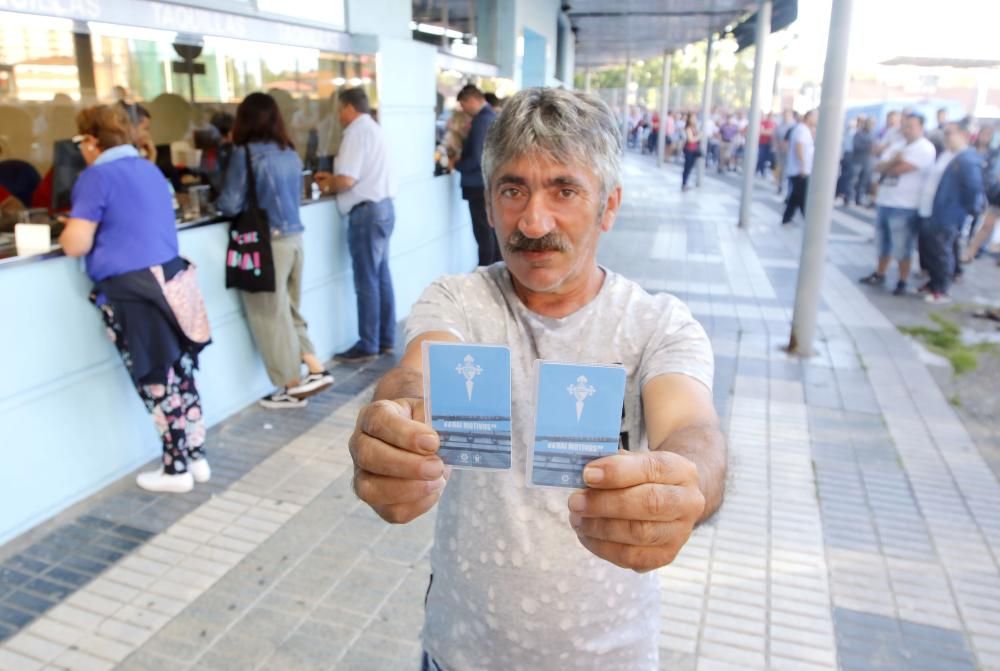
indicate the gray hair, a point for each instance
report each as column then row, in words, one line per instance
column 566, row 126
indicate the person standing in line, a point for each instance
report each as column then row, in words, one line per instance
column 765, row 157
column 989, row 157
column 798, row 165
column 473, row 102
column 902, row 167
column 847, row 160
column 955, row 188
column 122, row 222
column 364, row 184
column 279, row 329
column 692, row 149
column 890, row 134
column 781, row 135
column 727, row 144
column 936, row 134
column 861, row 162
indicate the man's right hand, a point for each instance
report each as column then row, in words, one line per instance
column 396, row 468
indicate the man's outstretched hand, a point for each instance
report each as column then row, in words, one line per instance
column 640, row 508
column 396, row 468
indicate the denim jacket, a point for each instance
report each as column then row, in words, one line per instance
column 960, row 191
column 279, row 185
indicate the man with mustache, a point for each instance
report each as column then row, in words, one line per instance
column 527, row 577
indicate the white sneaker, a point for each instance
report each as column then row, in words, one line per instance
column 199, row 470
column 312, row 384
column 158, row 481
column 937, row 298
column 280, row 400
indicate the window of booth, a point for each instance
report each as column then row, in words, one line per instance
column 48, row 73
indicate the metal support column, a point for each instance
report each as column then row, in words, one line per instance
column 706, row 110
column 823, row 180
column 661, row 138
column 586, row 79
column 628, row 83
column 751, row 148
column 444, row 23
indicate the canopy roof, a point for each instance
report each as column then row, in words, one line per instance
column 609, row 33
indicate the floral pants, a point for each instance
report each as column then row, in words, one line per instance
column 174, row 406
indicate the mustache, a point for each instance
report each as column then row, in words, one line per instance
column 550, row 242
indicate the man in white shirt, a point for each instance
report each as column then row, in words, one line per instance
column 903, row 168
column 798, row 166
column 539, row 578
column 362, row 179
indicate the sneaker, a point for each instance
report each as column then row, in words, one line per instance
column 924, row 288
column 199, row 470
column 873, row 280
column 900, row 289
column 312, row 384
column 937, row 298
column 280, row 400
column 387, row 350
column 355, row 355
column 158, row 481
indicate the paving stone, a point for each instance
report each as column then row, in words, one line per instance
column 28, row 602
column 12, row 661
column 145, row 661
column 14, row 617
column 35, row 647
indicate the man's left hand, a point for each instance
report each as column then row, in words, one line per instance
column 324, row 180
column 640, row 508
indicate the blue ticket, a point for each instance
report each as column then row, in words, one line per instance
column 467, row 401
column 578, row 418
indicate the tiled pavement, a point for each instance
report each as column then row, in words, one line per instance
column 861, row 529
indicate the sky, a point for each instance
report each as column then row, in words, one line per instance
column 883, row 29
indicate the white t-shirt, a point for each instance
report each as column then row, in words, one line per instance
column 929, row 189
column 903, row 191
column 513, row 588
column 363, row 155
column 801, row 136
column 710, row 128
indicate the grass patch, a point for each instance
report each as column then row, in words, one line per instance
column 946, row 340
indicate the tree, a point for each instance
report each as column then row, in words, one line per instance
column 732, row 75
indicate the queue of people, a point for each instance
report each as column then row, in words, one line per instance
column 925, row 193
column 122, row 221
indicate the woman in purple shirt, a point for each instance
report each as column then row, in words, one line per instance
column 122, row 222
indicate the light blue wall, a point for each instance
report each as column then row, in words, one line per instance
column 70, row 421
column 513, row 18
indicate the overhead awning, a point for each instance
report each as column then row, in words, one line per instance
column 609, row 33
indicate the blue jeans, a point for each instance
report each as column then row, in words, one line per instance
column 368, row 230
column 896, row 229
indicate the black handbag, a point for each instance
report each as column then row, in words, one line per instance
column 249, row 260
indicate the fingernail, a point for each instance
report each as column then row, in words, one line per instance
column 426, row 441
column 431, row 470
column 593, row 475
column 575, row 519
column 436, row 485
column 577, row 502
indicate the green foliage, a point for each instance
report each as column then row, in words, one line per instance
column 731, row 85
column 946, row 340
